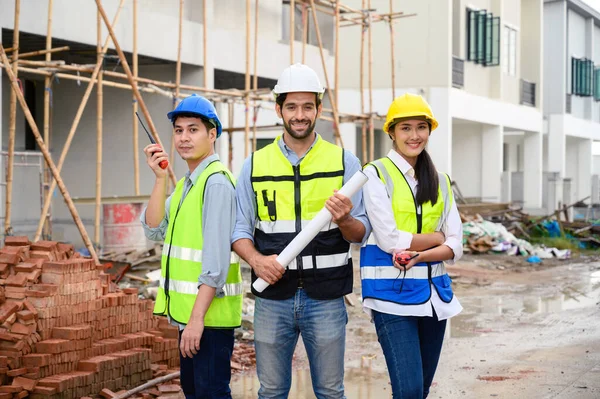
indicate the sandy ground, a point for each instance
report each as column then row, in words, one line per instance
column 526, row 331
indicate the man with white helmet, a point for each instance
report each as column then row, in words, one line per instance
column 280, row 189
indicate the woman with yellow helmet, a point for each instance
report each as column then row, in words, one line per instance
column 416, row 228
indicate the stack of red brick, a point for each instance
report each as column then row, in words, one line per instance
column 65, row 329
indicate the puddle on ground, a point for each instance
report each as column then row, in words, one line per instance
column 360, row 383
column 560, row 295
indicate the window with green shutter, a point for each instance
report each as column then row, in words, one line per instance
column 483, row 38
column 582, row 77
column 597, row 84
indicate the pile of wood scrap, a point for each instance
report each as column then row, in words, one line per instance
column 134, row 257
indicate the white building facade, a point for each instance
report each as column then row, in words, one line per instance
column 571, row 98
column 479, row 64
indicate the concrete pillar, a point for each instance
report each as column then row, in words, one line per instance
column 491, row 167
column 348, row 133
column 209, row 62
column 440, row 141
column 557, row 145
column 584, row 169
column 532, row 169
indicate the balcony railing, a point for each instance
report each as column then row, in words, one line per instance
column 458, row 72
column 527, row 93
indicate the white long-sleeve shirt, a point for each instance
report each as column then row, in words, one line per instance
column 379, row 210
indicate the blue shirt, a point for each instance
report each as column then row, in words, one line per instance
column 246, row 201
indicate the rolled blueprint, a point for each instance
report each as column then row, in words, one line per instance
column 311, row 230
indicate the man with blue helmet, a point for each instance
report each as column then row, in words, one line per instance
column 200, row 288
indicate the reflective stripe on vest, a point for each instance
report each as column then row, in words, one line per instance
column 287, row 226
column 418, row 271
column 190, row 254
column 187, row 287
column 380, row 279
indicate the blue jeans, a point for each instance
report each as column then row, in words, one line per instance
column 208, row 373
column 411, row 346
column 277, row 325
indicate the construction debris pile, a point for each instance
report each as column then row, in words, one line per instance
column 67, row 331
column 499, row 228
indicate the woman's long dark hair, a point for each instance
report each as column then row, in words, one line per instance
column 427, row 176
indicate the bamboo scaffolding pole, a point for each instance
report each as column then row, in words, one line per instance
column 336, row 64
column 48, row 50
column 12, row 123
column 336, row 118
column 247, row 83
column 47, row 88
column 255, row 77
column 177, row 79
column 304, row 31
column 134, row 108
column 370, row 47
column 292, row 28
column 231, row 107
column 74, row 126
column 362, row 86
column 205, row 40
column 40, row 141
column 134, row 86
column 392, row 51
column 99, row 116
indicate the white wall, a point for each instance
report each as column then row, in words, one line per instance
column 466, row 139
column 423, row 61
column 555, row 57
column 596, row 161
column 532, row 44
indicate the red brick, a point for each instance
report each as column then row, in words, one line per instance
column 107, row 393
column 42, row 255
column 169, row 388
column 36, row 360
column 21, row 395
column 27, row 305
column 130, row 291
column 25, row 267
column 22, row 329
column 16, row 240
column 17, row 372
column 11, row 388
column 43, row 390
column 11, row 259
column 26, row 383
column 34, row 276
column 4, row 395
column 25, row 315
column 44, row 245
column 52, row 346
column 17, row 280
column 7, row 309
column 4, row 268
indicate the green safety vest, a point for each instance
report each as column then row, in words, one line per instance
column 287, row 198
column 182, row 261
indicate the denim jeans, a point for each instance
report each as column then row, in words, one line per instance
column 207, row 374
column 277, row 325
column 411, row 346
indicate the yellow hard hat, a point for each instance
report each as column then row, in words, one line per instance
column 407, row 106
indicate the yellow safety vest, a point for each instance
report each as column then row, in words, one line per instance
column 287, row 198
column 182, row 261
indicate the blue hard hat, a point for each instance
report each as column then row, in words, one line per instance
column 200, row 106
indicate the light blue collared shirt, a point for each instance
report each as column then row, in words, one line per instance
column 246, row 201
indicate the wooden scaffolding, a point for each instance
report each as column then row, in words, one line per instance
column 251, row 96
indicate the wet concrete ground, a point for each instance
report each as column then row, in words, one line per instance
column 525, row 332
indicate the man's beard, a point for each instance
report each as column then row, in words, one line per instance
column 305, row 134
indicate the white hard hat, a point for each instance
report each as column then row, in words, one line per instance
column 298, row 78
